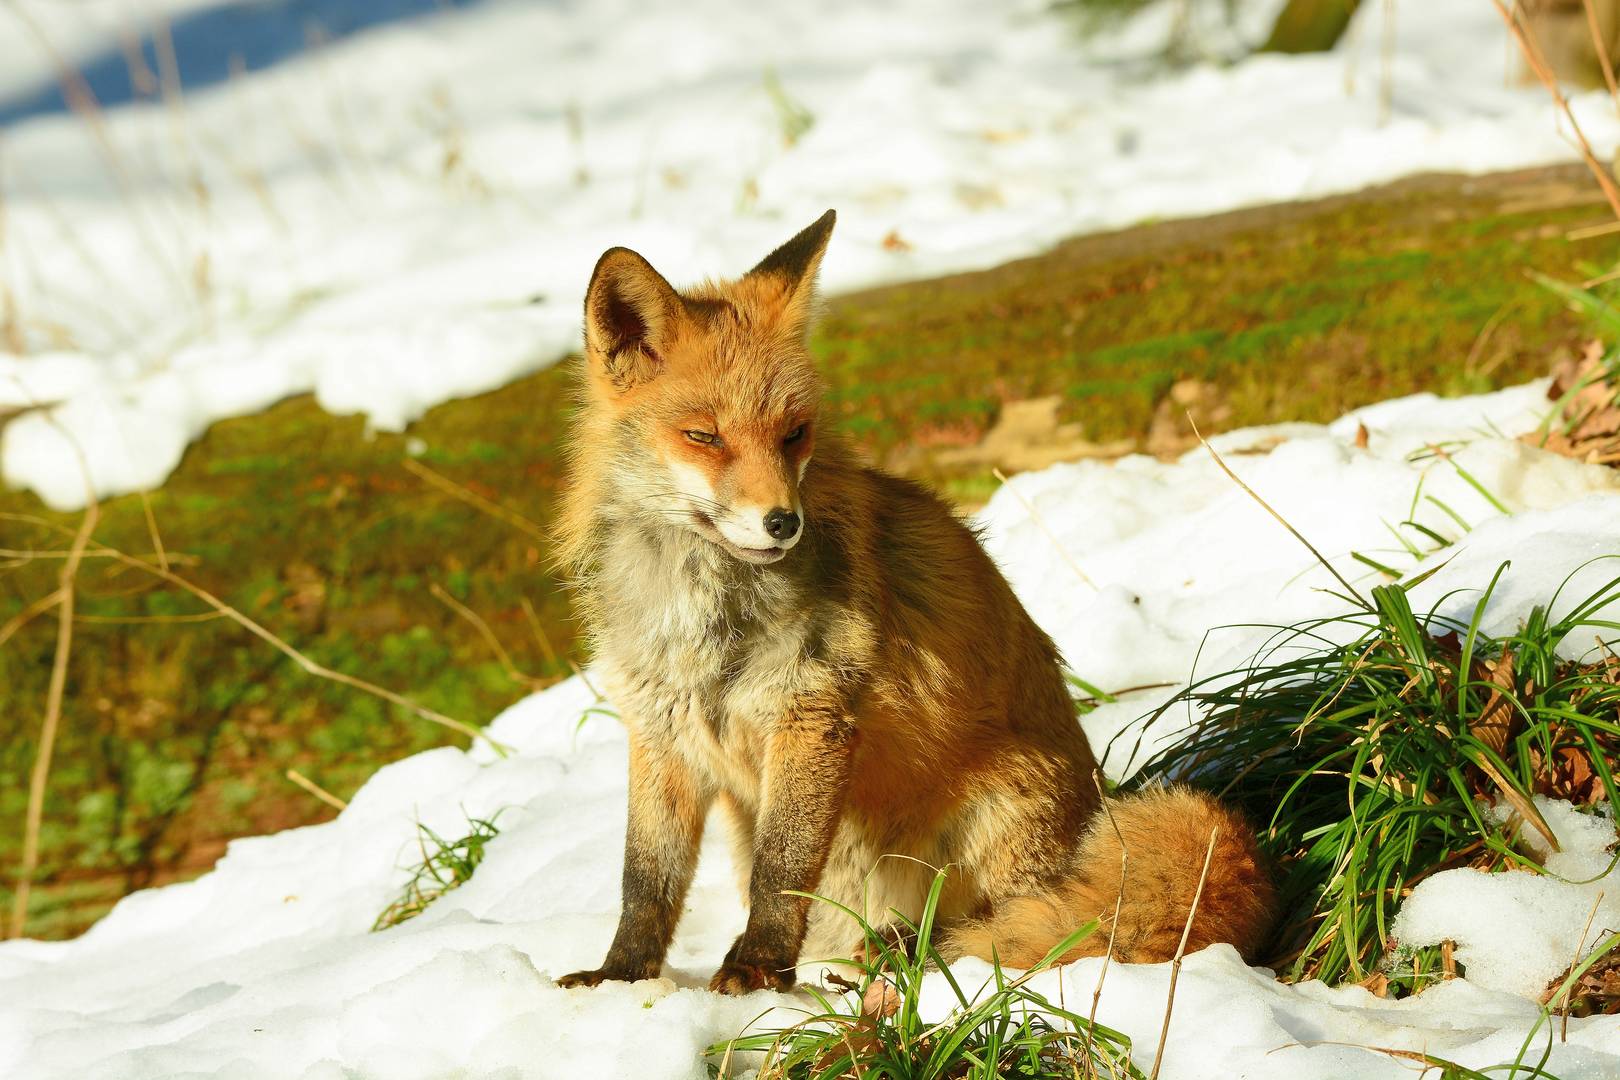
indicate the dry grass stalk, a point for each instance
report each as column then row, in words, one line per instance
column 1602, row 48
column 310, row 666
column 96, row 305
column 1538, row 64
column 28, row 615
column 39, row 777
column 152, row 531
column 475, row 500
column 1040, row 523
column 316, row 790
column 1590, row 232
column 513, row 672
column 1113, row 927
column 1181, row 950
column 1227, row 469
column 1580, row 950
column 179, row 128
column 150, row 620
column 259, row 631
column 550, row 651
column 81, row 100
column 1477, row 350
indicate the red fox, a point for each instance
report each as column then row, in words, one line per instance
column 826, row 653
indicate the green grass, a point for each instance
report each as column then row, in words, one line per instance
column 446, row 865
column 1002, row 1030
column 1297, row 313
column 1370, row 746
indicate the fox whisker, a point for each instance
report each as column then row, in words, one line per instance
column 695, row 500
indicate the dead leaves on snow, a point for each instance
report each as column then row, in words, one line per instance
column 1585, row 424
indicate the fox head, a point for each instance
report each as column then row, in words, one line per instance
column 707, row 399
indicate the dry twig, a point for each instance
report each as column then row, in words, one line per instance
column 316, row 790
column 475, row 500
column 39, row 777
column 1538, row 64
column 1181, row 950
column 1040, row 524
column 1227, row 469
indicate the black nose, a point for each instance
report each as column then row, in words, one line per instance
column 782, row 523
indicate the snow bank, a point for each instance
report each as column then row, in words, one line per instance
column 266, row 966
column 409, row 214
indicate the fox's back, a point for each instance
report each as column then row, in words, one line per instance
column 966, row 693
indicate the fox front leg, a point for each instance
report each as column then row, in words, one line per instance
column 667, row 807
column 806, row 776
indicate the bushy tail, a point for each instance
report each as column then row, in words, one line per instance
column 1165, row 833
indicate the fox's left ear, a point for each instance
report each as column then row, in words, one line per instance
column 791, row 269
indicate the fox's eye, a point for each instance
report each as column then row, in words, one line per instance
column 702, row 438
column 794, row 436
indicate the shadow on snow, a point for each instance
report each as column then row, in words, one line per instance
column 212, row 44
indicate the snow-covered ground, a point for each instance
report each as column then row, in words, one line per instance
column 265, row 968
column 409, row 214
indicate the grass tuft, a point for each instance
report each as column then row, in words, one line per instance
column 1002, row 1029
column 446, row 865
column 1373, row 747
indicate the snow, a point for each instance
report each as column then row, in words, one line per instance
column 266, row 967
column 1191, row 575
column 408, row 214
column 1579, row 901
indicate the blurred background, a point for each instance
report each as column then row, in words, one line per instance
column 285, row 284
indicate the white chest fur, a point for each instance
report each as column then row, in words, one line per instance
column 701, row 652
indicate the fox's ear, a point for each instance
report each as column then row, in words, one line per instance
column 791, row 268
column 631, row 316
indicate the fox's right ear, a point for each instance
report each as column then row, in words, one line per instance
column 631, row 316
column 791, row 270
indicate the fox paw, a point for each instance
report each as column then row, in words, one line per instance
column 736, row 977
column 598, row 976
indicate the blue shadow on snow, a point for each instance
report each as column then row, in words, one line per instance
column 213, row 43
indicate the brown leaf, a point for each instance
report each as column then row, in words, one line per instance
column 1586, row 425
column 1498, row 718
column 1568, row 774
column 1521, row 805
column 1377, row 984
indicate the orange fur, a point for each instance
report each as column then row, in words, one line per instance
column 1165, row 834
column 866, row 686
